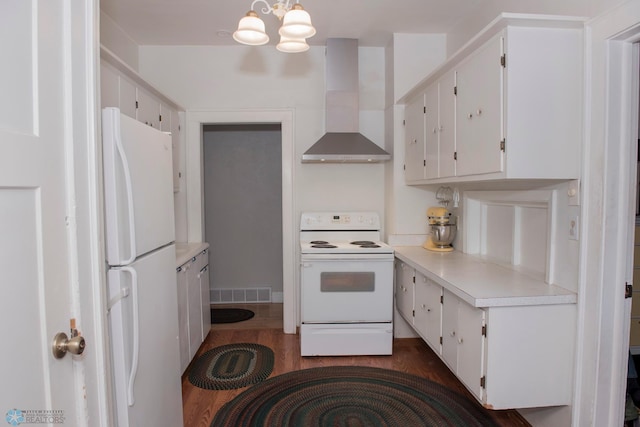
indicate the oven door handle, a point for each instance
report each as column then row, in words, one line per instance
column 375, row 257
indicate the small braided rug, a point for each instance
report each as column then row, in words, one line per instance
column 350, row 396
column 231, row 366
column 230, row 315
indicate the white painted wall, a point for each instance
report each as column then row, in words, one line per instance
column 261, row 78
column 117, row 41
column 409, row 58
column 488, row 10
column 414, row 57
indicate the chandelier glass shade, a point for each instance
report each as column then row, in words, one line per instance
column 251, row 30
column 289, row 45
column 296, row 26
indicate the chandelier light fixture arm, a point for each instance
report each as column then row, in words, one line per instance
column 279, row 8
column 296, row 26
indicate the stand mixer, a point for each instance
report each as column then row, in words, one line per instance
column 442, row 227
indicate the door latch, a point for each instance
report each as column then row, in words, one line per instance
column 628, row 290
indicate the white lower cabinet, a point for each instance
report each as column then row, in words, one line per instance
column 194, row 318
column 203, row 277
column 508, row 357
column 464, row 341
column 427, row 319
column 183, row 320
column 404, row 290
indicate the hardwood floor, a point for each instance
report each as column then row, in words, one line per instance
column 409, row 355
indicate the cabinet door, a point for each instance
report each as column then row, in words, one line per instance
column 176, row 140
column 194, row 296
column 205, row 296
column 109, row 86
column 432, row 131
column 449, row 329
column 414, row 163
column 404, row 290
column 127, row 93
column 148, row 109
column 428, row 310
column 479, row 105
column 447, row 114
column 183, row 316
column 166, row 115
column 471, row 341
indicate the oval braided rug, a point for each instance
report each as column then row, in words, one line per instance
column 350, row 396
column 231, row 366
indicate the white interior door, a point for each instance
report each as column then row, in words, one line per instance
column 37, row 254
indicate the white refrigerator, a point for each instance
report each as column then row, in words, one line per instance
column 141, row 276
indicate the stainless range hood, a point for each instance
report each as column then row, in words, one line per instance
column 342, row 142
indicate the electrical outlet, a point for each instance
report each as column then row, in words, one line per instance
column 574, row 227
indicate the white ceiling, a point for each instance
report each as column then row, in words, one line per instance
column 211, row 22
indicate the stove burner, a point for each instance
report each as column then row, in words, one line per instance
column 324, row 246
column 363, row 243
column 319, row 242
column 373, row 245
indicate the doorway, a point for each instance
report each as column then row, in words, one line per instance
column 242, row 183
column 608, row 213
column 195, row 121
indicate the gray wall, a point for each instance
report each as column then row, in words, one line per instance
column 243, row 205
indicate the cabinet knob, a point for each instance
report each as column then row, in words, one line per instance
column 424, row 306
column 459, row 340
column 479, row 112
column 435, row 130
column 452, row 334
column 470, row 116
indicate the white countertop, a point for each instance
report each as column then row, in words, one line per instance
column 186, row 251
column 482, row 283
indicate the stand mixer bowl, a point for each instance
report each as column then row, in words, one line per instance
column 442, row 235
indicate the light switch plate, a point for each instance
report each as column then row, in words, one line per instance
column 574, row 227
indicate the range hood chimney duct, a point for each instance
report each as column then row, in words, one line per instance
column 342, row 142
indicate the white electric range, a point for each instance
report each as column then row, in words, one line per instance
column 346, row 285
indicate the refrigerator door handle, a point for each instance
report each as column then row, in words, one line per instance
column 129, row 189
column 136, row 334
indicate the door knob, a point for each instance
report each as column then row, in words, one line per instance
column 62, row 344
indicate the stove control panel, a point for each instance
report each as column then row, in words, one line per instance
column 340, row 221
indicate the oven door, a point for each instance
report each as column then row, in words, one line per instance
column 345, row 288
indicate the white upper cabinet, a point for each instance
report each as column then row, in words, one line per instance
column 446, row 125
column 127, row 97
column 148, row 111
column 414, row 150
column 430, row 132
column 122, row 87
column 479, row 106
column 506, row 106
column 432, row 127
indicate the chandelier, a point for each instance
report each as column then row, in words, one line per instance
column 296, row 26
